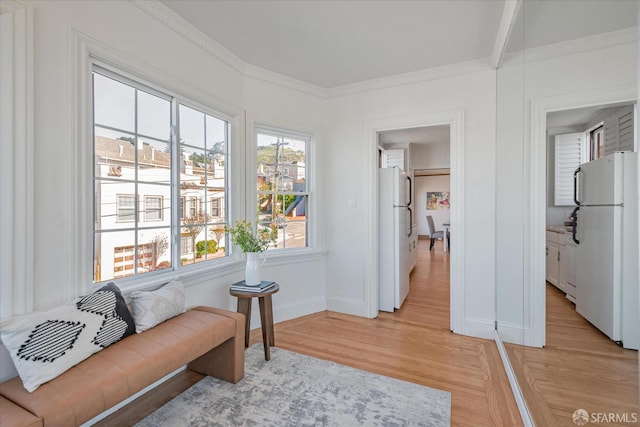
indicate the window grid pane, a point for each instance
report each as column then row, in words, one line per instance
column 133, row 178
column 282, row 190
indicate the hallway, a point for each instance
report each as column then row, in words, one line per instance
column 428, row 301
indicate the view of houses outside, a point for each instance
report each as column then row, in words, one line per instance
column 282, row 188
column 133, row 182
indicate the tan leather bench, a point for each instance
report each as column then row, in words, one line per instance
column 209, row 340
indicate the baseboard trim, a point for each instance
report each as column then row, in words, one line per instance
column 479, row 328
column 513, row 381
column 290, row 311
column 513, row 333
column 355, row 307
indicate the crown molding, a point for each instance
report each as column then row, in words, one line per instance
column 467, row 67
column 571, row 47
column 168, row 17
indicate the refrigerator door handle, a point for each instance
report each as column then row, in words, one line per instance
column 575, row 186
column 410, row 189
column 410, row 221
column 574, row 224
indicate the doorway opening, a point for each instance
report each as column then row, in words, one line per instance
column 424, row 154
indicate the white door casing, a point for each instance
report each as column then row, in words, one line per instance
column 455, row 119
column 535, row 202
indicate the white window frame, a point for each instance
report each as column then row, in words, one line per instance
column 87, row 58
column 255, row 125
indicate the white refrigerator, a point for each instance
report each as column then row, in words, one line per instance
column 394, row 230
column 606, row 233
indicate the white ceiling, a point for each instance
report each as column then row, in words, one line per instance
column 421, row 135
column 548, row 22
column 331, row 43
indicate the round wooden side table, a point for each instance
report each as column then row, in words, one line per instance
column 266, row 315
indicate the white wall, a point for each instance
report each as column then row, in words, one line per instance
column 588, row 71
column 430, row 156
column 346, row 153
column 125, row 29
column 424, row 184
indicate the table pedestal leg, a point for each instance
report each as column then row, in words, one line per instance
column 266, row 318
column 244, row 307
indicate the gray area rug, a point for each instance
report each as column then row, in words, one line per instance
column 297, row 390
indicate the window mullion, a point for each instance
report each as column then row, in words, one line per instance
column 175, row 186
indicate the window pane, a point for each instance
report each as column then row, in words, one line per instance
column 281, row 163
column 114, row 255
column 196, row 165
column 281, row 177
column 154, row 116
column 191, row 127
column 154, row 161
column 217, row 233
column 154, row 250
column 190, row 234
column 216, row 135
column 114, row 103
column 114, row 204
column 114, row 154
column 133, row 181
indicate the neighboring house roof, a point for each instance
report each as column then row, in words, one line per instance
column 119, row 151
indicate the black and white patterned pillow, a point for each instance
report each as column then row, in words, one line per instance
column 118, row 322
column 44, row 345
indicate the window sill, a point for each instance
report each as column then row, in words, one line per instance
column 292, row 256
column 220, row 269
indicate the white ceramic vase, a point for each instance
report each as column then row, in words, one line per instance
column 252, row 269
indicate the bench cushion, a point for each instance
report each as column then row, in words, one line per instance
column 121, row 370
column 13, row 415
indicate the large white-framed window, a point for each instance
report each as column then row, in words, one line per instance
column 282, row 185
column 158, row 158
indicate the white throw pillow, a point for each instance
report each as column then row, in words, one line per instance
column 43, row 345
column 152, row 308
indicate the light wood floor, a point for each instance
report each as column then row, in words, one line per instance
column 413, row 344
column 578, row 368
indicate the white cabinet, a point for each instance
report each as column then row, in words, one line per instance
column 553, row 259
column 570, row 267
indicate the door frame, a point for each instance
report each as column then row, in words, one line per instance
column 455, row 120
column 535, row 203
